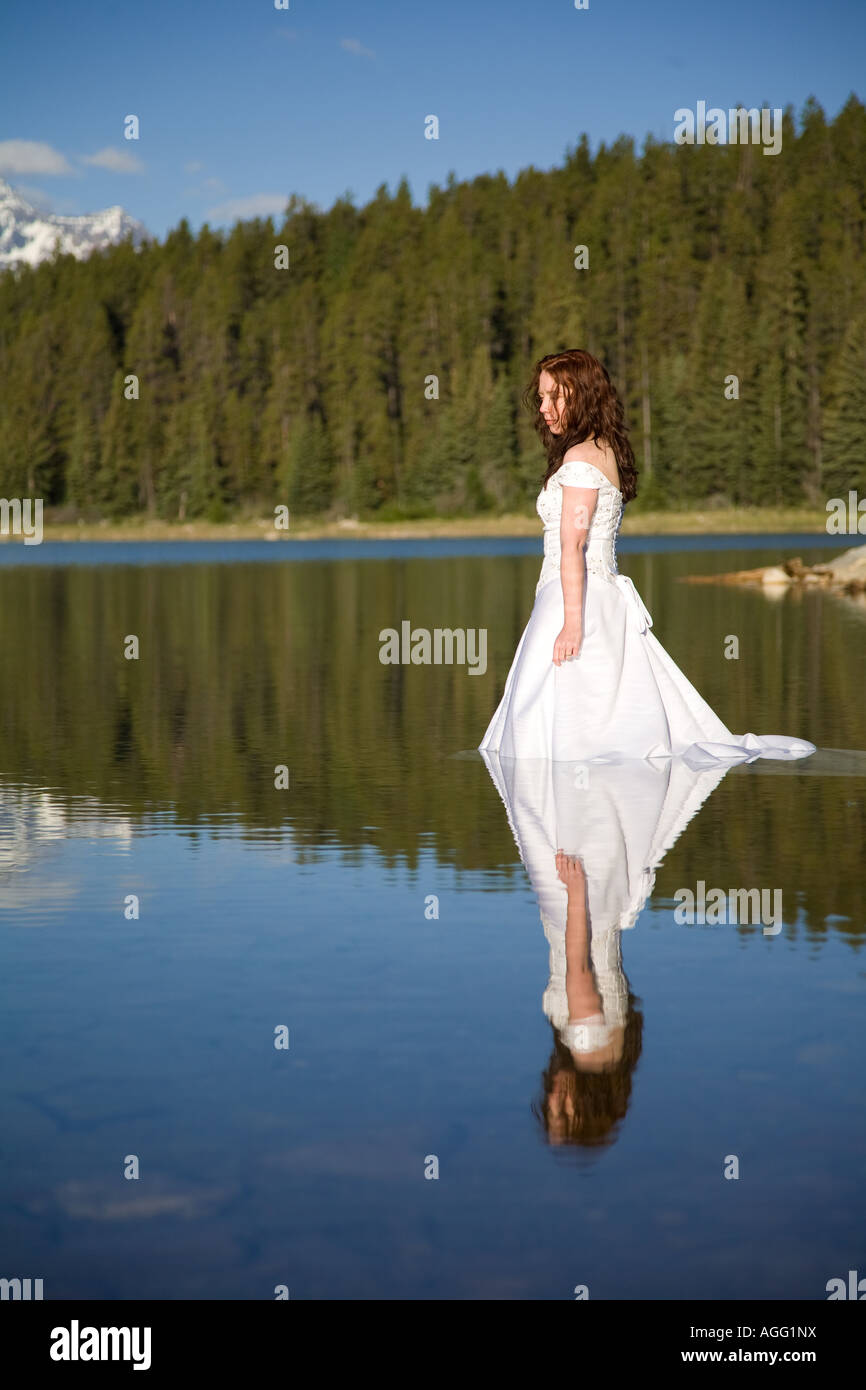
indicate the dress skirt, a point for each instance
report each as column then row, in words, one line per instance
column 621, row 697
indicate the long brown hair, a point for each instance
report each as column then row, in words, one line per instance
column 591, row 411
column 600, row 1099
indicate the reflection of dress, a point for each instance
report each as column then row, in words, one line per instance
column 622, row 696
column 619, row 819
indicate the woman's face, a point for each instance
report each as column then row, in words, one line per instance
column 551, row 401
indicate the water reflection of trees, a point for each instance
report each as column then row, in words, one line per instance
column 243, row 667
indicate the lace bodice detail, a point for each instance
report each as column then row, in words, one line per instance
column 603, row 529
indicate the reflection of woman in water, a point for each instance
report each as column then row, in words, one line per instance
column 590, row 837
column 587, row 1084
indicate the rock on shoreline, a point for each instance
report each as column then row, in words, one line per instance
column 845, row 573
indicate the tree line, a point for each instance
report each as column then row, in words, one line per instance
column 374, row 366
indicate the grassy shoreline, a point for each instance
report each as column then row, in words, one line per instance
column 752, row 520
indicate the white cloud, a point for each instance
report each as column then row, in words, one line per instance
column 355, row 46
column 208, row 188
column 118, row 161
column 35, row 197
column 31, row 157
column 256, row 205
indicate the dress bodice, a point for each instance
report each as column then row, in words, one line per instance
column 603, row 529
column 606, row 960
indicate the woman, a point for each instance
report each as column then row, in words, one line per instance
column 589, row 681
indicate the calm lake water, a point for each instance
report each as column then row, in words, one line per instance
column 378, row 909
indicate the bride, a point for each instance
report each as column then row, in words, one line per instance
column 589, row 681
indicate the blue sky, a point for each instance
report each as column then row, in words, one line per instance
column 241, row 104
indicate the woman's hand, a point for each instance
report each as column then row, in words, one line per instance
column 570, row 871
column 568, row 643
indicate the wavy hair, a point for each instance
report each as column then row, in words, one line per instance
column 599, row 1099
column 591, row 410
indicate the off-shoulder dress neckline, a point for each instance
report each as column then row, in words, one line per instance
column 595, row 469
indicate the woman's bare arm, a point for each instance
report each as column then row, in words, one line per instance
column 578, row 508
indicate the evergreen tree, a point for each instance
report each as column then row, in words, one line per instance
column 380, row 371
column 845, row 428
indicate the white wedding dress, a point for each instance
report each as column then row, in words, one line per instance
column 622, row 696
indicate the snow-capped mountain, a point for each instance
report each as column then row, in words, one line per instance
column 27, row 235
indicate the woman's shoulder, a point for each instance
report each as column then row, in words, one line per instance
column 585, row 462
